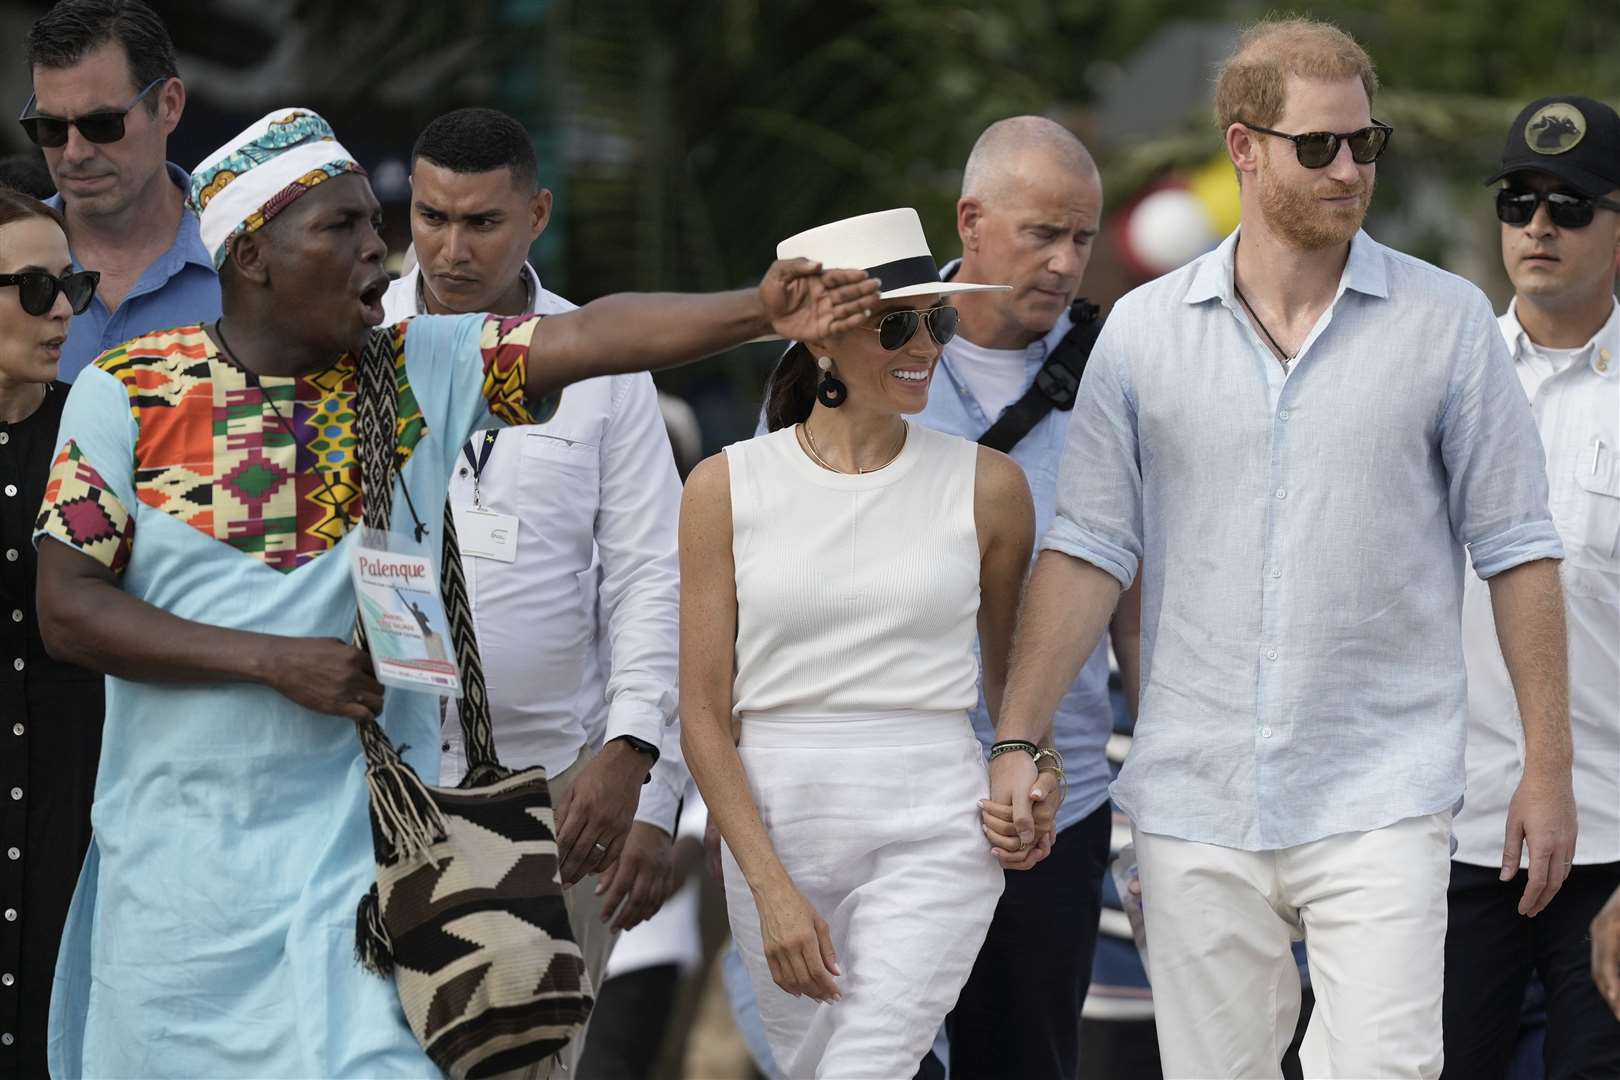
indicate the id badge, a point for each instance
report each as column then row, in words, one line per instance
column 484, row 534
column 406, row 627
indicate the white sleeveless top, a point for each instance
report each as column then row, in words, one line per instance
column 855, row 594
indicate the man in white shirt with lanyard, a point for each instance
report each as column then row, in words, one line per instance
column 1560, row 214
column 568, row 536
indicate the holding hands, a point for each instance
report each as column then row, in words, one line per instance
column 1020, row 817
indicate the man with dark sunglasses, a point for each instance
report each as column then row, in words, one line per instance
column 1560, row 214
column 1295, row 435
column 106, row 97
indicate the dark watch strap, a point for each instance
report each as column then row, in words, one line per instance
column 641, row 745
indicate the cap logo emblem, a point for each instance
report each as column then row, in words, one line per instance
column 1555, row 128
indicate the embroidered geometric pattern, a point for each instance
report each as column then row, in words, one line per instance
column 212, row 453
column 505, row 343
column 83, row 514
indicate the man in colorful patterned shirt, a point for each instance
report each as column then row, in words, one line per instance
column 197, row 517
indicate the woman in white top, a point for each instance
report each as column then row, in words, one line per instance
column 835, row 573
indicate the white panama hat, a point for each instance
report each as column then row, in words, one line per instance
column 889, row 245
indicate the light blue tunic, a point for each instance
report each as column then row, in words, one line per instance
column 212, row 933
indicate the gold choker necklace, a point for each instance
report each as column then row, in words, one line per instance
column 810, row 444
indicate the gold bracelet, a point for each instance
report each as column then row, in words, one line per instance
column 1047, row 754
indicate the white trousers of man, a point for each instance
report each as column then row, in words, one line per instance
column 1371, row 908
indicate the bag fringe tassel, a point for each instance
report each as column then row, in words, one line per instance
column 372, row 946
column 407, row 818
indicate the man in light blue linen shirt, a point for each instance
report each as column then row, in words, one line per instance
column 1296, row 435
column 1031, row 203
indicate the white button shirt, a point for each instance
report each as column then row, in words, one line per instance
column 578, row 635
column 1577, row 410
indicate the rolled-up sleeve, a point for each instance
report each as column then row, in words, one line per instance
column 1099, row 493
column 1496, row 471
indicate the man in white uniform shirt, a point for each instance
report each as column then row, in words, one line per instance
column 1560, row 214
column 568, row 534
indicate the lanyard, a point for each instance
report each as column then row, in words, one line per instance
column 486, row 446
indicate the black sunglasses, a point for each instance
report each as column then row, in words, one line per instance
column 101, row 127
column 897, row 327
column 1568, row 211
column 1317, row 149
column 37, row 290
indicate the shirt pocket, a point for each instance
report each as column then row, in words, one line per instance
column 559, row 448
column 1593, row 548
column 560, row 492
column 561, row 462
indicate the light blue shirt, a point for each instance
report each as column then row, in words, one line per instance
column 1301, row 538
column 1085, row 719
column 181, row 287
column 232, row 837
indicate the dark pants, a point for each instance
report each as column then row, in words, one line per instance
column 628, row 1024
column 1019, row 1014
column 1491, row 950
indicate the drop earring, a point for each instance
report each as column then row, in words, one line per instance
column 830, row 389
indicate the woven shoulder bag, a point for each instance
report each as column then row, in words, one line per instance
column 467, row 914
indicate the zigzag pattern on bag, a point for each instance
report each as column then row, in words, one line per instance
column 474, row 941
column 471, row 924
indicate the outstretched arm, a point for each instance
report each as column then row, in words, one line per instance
column 650, row 331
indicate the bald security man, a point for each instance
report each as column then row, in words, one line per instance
column 1031, row 202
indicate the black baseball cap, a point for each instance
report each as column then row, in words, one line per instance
column 1571, row 137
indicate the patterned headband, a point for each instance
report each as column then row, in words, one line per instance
column 258, row 174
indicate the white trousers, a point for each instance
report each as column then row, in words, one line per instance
column 1371, row 908
column 876, row 820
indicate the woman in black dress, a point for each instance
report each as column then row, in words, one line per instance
column 50, row 713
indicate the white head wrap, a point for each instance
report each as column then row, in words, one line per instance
column 259, row 173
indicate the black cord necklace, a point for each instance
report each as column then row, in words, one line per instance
column 1282, row 356
column 254, row 381
column 420, row 529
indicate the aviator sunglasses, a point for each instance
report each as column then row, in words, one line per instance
column 100, row 127
column 1317, row 149
column 897, row 327
column 37, row 290
column 1566, row 210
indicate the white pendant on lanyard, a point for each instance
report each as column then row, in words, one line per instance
column 483, row 533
